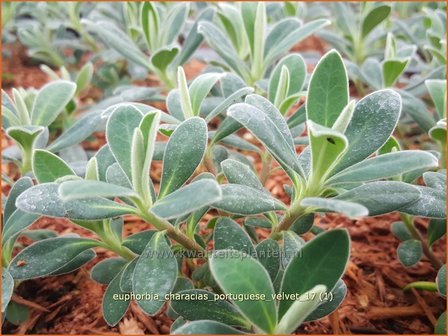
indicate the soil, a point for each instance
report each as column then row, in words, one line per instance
column 375, row 303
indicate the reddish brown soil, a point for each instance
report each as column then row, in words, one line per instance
column 375, row 304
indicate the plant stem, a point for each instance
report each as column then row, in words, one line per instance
column 162, row 224
column 408, row 221
column 111, row 242
column 266, row 160
column 208, row 161
column 294, row 212
column 422, row 285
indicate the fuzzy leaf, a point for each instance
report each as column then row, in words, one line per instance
column 409, row 252
column 374, row 18
column 328, row 90
column 228, row 235
column 350, row 209
column 73, row 190
column 155, row 273
column 187, row 199
column 19, row 187
column 373, row 121
column 107, row 269
column 43, row 199
column 48, row 167
column 50, row 101
column 113, row 309
column 183, row 154
column 211, row 308
column 385, row 166
column 238, row 273
column 244, row 200
column 332, row 249
column 47, row 256
column 330, row 305
column 7, row 288
column 266, row 131
column 239, row 173
column 431, row 204
column 119, row 132
column 383, row 196
column 268, row 254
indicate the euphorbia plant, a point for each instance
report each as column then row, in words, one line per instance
column 159, row 29
column 336, row 172
column 245, row 46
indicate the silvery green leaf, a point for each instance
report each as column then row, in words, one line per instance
column 174, row 105
column 350, row 209
column 227, row 127
column 47, row 256
column 383, row 196
column 19, row 187
column 373, row 121
column 417, row 110
column 332, row 249
column 292, row 244
column 268, row 254
column 228, row 235
column 174, row 20
column 248, row 14
column 393, row 69
column 16, row 223
column 76, row 263
column 400, row 231
column 299, row 310
column 75, row 190
column 371, row 73
column 194, row 38
column 431, row 204
column 410, row 252
column 237, row 142
column 48, row 167
column 239, row 173
column 303, row 224
column 187, row 199
column 127, row 275
column 155, row 273
column 137, row 242
column 116, row 39
column 211, row 308
column 113, row 309
column 218, row 42
column 273, row 113
column 233, row 98
column 436, row 230
column 119, row 132
column 279, row 32
column 50, row 101
column 328, row 306
column 435, row 180
column 374, row 18
column 239, row 273
column 43, row 199
column 328, row 147
column 328, row 90
column 200, row 87
column 441, row 281
column 116, row 175
column 206, row 327
column 292, row 38
column 25, row 136
column 262, row 126
column 437, row 90
column 107, row 269
column 385, row 166
column 244, row 200
column 297, row 70
column 84, row 77
column 104, row 160
column 162, row 58
column 7, row 288
column 183, row 153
